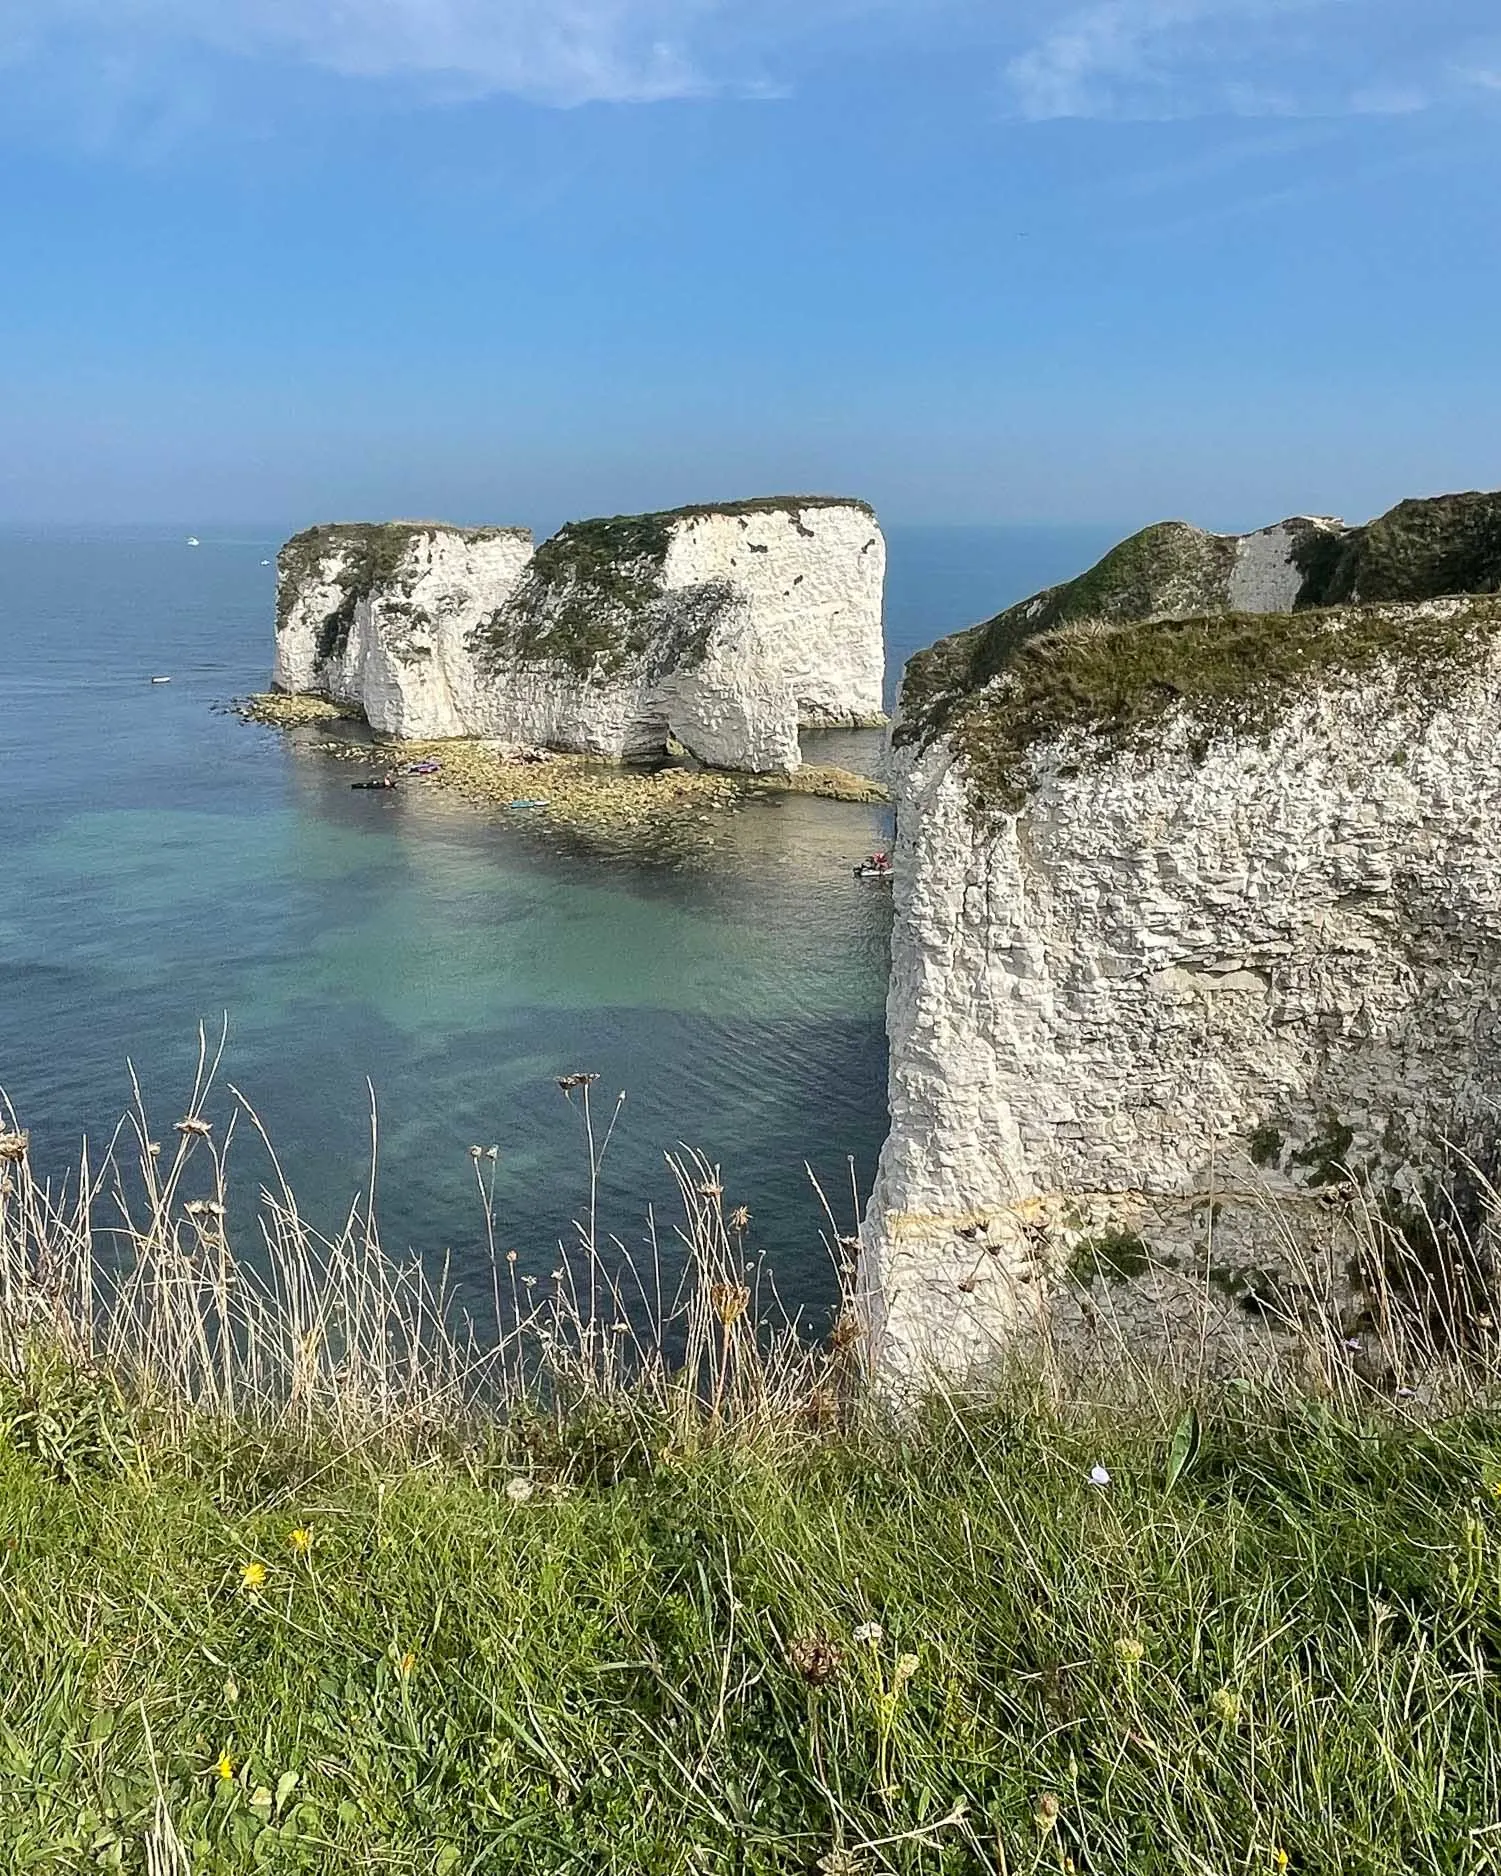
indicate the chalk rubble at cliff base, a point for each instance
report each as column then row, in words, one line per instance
column 1196, row 982
column 727, row 629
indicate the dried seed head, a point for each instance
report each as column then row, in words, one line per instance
column 195, row 1124
column 842, row 1863
column 816, row 1658
column 740, row 1218
column 730, row 1301
column 1046, row 1811
column 13, row 1145
column 847, row 1331
column 569, row 1082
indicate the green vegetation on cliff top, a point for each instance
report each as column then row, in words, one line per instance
column 588, row 602
column 1096, row 655
column 1419, row 550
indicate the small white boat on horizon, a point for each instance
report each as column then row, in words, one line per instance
column 161, row 680
column 193, row 541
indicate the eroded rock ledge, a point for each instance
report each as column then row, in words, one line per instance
column 1197, row 959
column 725, row 629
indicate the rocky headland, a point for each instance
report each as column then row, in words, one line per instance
column 723, row 629
column 1197, row 960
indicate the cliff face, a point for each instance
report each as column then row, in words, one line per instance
column 725, row 628
column 1198, row 932
column 379, row 616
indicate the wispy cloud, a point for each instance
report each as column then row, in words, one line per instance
column 1067, row 58
column 1247, row 58
column 556, row 51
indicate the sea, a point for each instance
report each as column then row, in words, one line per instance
column 166, row 869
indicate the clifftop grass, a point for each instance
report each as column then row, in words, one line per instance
column 1235, row 673
column 1419, row 550
column 1145, row 635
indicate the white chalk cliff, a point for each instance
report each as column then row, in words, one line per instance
column 1197, row 953
column 379, row 616
column 726, row 629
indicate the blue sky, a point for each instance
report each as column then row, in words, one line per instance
column 979, row 260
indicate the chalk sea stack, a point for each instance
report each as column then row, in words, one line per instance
column 725, row 629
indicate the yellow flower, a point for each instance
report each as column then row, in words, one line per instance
column 405, row 1665
column 301, row 1540
column 1280, row 1857
column 225, row 1767
column 1224, row 1704
column 1130, row 1652
column 253, row 1576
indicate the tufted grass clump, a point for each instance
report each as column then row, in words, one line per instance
column 299, row 1573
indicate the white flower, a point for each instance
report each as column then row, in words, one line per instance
column 871, row 1634
column 1098, row 1476
column 519, row 1491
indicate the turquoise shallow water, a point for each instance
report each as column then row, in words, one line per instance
column 164, row 864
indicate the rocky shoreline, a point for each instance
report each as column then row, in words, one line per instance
column 610, row 804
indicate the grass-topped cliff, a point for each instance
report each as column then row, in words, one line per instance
column 590, row 600
column 1146, row 634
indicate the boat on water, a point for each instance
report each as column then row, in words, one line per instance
column 161, row 680
column 193, row 541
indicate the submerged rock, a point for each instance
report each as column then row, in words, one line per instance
column 726, row 629
column 1197, row 959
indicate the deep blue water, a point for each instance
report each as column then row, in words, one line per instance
column 165, row 864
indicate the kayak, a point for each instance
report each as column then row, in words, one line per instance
column 526, row 804
column 381, row 784
column 866, row 871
